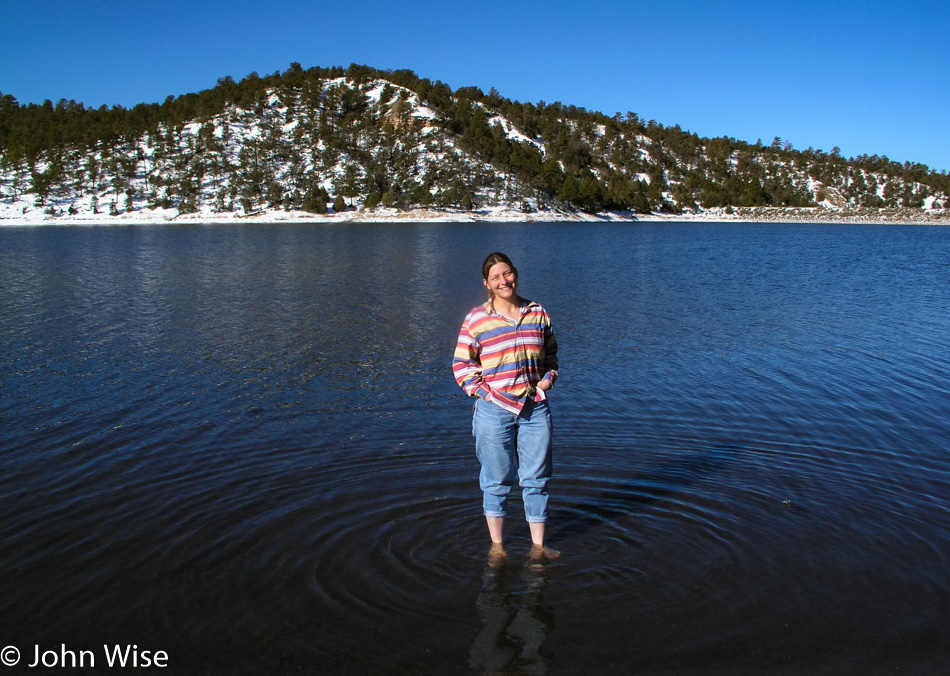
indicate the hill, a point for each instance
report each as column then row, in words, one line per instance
column 325, row 142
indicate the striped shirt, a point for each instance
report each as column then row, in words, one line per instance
column 502, row 360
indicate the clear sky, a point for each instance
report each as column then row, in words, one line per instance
column 869, row 77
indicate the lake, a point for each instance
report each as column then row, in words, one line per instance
column 243, row 446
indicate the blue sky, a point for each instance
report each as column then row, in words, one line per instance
column 869, row 77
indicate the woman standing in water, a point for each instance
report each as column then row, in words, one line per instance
column 506, row 357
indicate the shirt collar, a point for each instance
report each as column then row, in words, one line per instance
column 525, row 306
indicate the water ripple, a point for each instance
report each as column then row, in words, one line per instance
column 246, row 443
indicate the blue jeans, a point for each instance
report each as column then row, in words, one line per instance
column 505, row 442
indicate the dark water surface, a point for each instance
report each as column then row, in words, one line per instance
column 243, row 446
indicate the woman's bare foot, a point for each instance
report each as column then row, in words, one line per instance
column 542, row 553
column 496, row 554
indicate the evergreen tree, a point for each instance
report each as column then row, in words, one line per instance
column 271, row 141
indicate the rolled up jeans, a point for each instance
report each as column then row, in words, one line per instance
column 509, row 445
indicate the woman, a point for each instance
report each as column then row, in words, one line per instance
column 506, row 357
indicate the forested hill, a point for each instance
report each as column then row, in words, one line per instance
column 326, row 140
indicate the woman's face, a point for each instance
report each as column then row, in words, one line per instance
column 502, row 282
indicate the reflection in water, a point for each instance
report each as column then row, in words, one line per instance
column 515, row 620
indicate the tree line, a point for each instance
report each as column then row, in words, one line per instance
column 317, row 140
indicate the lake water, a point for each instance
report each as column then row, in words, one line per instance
column 243, row 446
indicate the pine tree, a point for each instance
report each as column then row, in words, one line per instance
column 246, row 148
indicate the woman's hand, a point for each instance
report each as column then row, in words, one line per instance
column 544, row 385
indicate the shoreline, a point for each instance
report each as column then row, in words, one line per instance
column 802, row 215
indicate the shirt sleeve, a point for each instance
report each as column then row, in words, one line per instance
column 467, row 365
column 550, row 364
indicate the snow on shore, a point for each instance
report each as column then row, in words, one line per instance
column 18, row 215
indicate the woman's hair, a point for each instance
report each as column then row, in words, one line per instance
column 492, row 259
